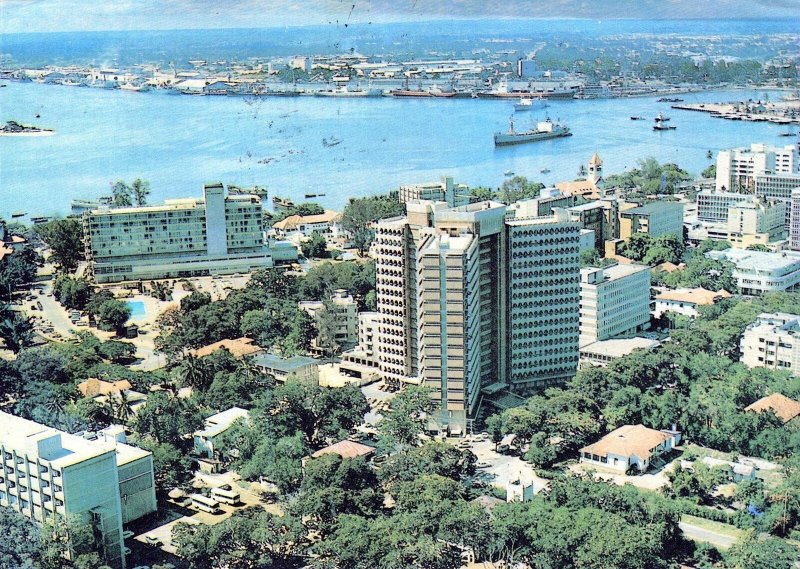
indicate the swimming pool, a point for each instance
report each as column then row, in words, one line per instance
column 137, row 308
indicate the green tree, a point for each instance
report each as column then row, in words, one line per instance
column 518, row 188
column 64, row 238
column 171, row 467
column 139, row 190
column 121, row 194
column 167, row 419
column 323, row 415
column 113, row 314
column 750, row 552
column 333, row 485
column 407, row 417
column 18, row 269
column 16, row 330
column 360, row 213
column 316, row 247
column 19, row 546
column 432, row 457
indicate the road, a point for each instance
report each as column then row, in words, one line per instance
column 696, row 533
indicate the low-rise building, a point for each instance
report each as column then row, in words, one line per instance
column 345, row 311
column 773, row 342
column 238, row 347
column 686, row 301
column 328, row 224
column 604, row 352
column 455, row 195
column 629, row 446
column 785, row 409
column 614, row 301
column 300, row 368
column 758, row 272
column 205, row 440
column 346, row 449
column 653, row 218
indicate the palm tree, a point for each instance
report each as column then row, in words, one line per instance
column 122, row 408
column 196, row 372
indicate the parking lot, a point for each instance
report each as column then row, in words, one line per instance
column 500, row 469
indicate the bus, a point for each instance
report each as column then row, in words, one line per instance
column 225, row 496
column 205, row 504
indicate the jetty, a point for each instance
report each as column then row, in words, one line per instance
column 779, row 112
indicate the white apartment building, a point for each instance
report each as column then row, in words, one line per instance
column 773, row 342
column 454, row 195
column 757, row 272
column 615, row 301
column 515, row 282
column 713, row 205
column 182, row 237
column 752, row 222
column 367, row 331
column 738, row 167
column 345, row 311
column 49, row 474
column 794, row 221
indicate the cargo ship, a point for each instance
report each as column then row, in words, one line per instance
column 544, row 130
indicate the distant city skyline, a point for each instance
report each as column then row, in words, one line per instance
column 86, row 15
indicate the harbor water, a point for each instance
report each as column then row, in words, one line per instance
column 179, row 142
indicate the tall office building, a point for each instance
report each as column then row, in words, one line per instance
column 738, row 167
column 471, row 300
column 51, row 475
column 182, row 237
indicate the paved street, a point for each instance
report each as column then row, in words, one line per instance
column 696, row 533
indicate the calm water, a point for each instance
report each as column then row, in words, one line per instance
column 179, row 142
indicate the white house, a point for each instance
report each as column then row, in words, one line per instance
column 629, row 445
column 204, row 441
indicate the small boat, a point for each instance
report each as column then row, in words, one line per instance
column 660, row 123
column 19, row 214
column 788, row 134
column 508, row 173
column 545, row 170
column 637, row 118
column 523, row 104
column 332, row 141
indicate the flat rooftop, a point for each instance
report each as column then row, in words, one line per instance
column 652, row 207
column 744, row 259
column 59, row 448
column 284, row 364
column 616, row 348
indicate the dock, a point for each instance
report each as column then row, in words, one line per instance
column 782, row 112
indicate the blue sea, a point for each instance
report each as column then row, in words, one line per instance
column 179, row 142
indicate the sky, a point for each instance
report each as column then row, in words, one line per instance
column 79, row 15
